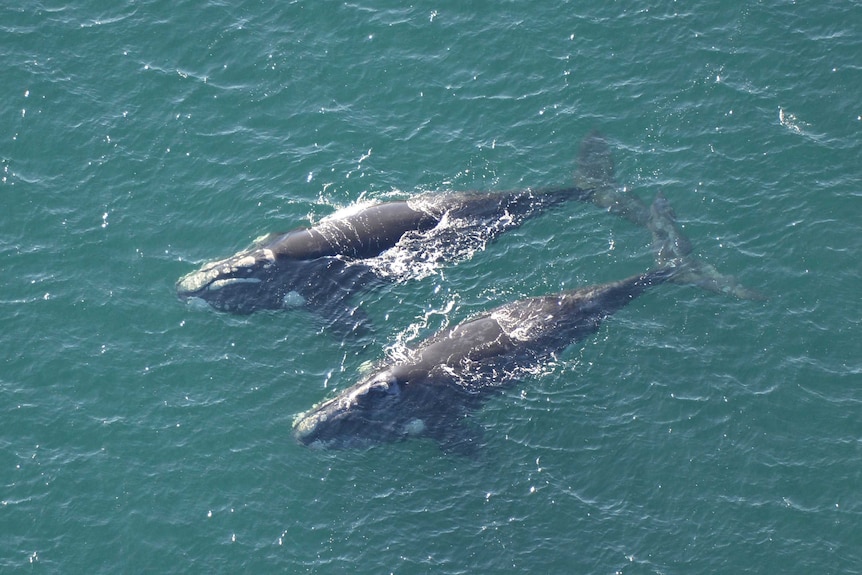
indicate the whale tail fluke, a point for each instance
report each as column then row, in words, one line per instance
column 595, row 162
column 673, row 252
column 694, row 271
column 596, row 172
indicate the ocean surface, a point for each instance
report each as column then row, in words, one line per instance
column 695, row 433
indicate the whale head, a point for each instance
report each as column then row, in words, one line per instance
column 377, row 409
column 242, row 283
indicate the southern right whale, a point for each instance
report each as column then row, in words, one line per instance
column 446, row 377
column 323, row 265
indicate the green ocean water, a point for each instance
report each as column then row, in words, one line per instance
column 694, row 434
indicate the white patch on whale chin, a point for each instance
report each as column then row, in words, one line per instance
column 292, row 299
column 414, row 427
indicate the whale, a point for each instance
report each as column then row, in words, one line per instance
column 432, row 390
column 320, row 267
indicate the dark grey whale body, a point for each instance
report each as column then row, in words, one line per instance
column 323, row 265
column 452, row 372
